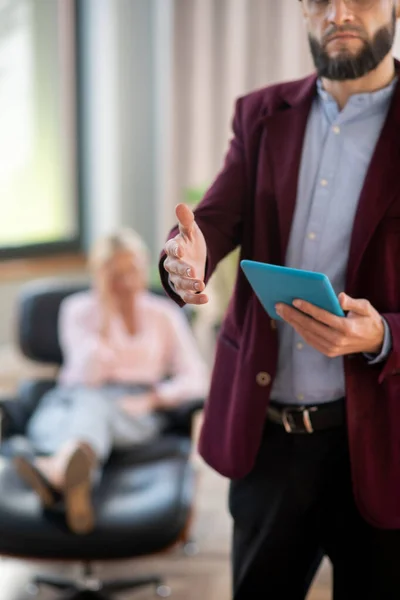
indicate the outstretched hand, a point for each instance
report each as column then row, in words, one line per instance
column 186, row 258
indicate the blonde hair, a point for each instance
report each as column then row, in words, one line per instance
column 123, row 240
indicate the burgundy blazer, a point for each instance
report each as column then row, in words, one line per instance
column 251, row 204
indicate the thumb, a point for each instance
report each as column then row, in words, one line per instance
column 358, row 306
column 185, row 219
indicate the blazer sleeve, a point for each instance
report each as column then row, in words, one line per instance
column 374, row 359
column 220, row 213
column 392, row 364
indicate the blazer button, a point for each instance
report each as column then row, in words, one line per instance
column 273, row 324
column 263, row 379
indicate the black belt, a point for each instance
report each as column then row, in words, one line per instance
column 307, row 418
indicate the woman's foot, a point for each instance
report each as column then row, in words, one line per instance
column 78, row 491
column 37, row 480
column 67, row 473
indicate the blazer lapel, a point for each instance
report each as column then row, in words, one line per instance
column 380, row 187
column 283, row 141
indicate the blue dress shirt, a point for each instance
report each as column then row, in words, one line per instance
column 338, row 147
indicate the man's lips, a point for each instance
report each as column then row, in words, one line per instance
column 342, row 36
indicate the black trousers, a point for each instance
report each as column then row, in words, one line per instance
column 295, row 506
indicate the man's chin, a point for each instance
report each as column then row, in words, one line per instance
column 343, row 66
column 340, row 75
column 340, row 51
column 342, row 57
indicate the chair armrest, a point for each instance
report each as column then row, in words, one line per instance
column 16, row 412
column 180, row 418
column 10, row 417
column 12, row 424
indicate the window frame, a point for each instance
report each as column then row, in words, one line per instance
column 74, row 245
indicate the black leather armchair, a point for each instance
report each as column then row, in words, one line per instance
column 144, row 502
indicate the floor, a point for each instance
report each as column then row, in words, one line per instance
column 204, row 576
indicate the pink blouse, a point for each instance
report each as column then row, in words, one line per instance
column 163, row 345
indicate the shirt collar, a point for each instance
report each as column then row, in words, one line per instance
column 358, row 103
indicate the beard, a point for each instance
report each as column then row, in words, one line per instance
column 347, row 66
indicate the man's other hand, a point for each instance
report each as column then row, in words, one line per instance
column 361, row 331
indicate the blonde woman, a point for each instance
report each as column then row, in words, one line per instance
column 119, row 343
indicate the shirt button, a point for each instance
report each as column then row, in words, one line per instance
column 299, row 346
column 300, row 397
column 324, row 182
column 336, row 129
column 312, row 235
column 263, row 379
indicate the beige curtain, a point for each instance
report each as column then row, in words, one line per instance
column 223, row 49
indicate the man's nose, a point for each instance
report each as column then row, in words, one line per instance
column 339, row 13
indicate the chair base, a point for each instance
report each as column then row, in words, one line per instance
column 94, row 589
column 89, row 587
column 85, row 595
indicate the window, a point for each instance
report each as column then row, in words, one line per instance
column 40, row 211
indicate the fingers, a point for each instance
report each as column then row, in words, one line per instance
column 328, row 348
column 319, row 314
column 181, row 274
column 357, row 305
column 302, row 322
column 185, row 284
column 315, row 341
column 174, row 264
column 190, row 285
column 179, row 270
column 181, row 277
column 190, row 298
column 189, row 289
column 185, row 219
column 173, row 248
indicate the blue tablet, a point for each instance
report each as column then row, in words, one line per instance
column 273, row 284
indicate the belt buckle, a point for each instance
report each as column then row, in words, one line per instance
column 290, row 426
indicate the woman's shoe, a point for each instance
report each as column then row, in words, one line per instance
column 78, row 491
column 36, row 480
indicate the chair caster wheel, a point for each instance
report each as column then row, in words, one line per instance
column 191, row 549
column 164, row 591
column 32, row 589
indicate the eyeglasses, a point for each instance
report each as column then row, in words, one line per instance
column 320, row 6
